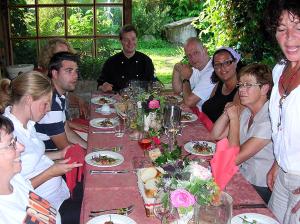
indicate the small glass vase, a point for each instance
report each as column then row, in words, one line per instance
column 219, row 213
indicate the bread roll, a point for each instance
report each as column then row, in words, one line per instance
column 148, row 173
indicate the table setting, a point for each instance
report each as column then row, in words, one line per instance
column 124, row 174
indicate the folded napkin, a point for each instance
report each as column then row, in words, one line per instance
column 203, row 118
column 77, row 154
column 223, row 163
column 81, row 121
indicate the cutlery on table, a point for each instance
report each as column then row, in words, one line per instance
column 120, row 211
column 241, row 206
column 108, row 171
column 114, row 149
column 103, row 132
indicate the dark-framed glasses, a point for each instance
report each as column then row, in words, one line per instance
column 11, row 145
column 247, row 85
column 226, row 63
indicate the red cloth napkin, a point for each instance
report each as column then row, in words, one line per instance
column 203, row 118
column 81, row 121
column 77, row 154
column 223, row 163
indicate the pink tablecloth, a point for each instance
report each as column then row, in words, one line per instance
column 120, row 190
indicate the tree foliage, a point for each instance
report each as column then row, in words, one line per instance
column 238, row 24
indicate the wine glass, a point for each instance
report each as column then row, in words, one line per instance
column 163, row 209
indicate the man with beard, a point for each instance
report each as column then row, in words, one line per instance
column 53, row 128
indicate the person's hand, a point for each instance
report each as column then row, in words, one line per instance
column 106, row 87
column 271, row 175
column 297, row 206
column 232, row 111
column 83, row 108
column 186, row 71
column 62, row 167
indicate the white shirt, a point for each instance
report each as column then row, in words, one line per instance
column 201, row 84
column 34, row 162
column 16, row 208
column 255, row 169
column 286, row 138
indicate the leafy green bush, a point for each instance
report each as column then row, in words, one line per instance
column 238, row 24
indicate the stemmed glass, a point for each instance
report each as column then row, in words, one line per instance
column 171, row 123
column 163, row 209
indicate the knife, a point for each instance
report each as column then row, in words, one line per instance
column 241, row 206
column 103, row 132
column 108, row 171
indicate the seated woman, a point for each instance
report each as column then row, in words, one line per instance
column 250, row 128
column 18, row 202
column 226, row 64
column 27, row 99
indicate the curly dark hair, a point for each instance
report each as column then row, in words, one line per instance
column 274, row 11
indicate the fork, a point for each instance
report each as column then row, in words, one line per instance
column 119, row 213
column 117, row 210
column 114, row 149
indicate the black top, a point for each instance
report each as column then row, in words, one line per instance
column 214, row 106
column 118, row 70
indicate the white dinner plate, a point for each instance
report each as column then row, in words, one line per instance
column 193, row 117
column 108, row 100
column 189, row 148
column 98, row 110
column 118, row 157
column 259, row 218
column 116, row 219
column 96, row 123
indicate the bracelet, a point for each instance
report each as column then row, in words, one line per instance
column 185, row 80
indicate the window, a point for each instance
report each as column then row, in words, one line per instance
column 89, row 25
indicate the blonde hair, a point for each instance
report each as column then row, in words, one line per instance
column 31, row 83
column 49, row 50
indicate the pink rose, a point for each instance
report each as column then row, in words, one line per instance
column 154, row 104
column 156, row 140
column 182, row 198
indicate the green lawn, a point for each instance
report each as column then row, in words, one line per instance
column 164, row 55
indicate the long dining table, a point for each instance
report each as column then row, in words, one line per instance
column 106, row 191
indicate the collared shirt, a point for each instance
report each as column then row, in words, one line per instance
column 201, row 84
column 53, row 123
column 118, row 70
column 255, row 169
column 286, row 138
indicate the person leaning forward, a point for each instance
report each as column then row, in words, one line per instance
column 126, row 65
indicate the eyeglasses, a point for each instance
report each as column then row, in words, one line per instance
column 247, row 85
column 12, row 144
column 226, row 63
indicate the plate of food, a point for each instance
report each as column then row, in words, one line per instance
column 104, row 159
column 202, row 148
column 101, row 100
column 104, row 122
column 188, row 117
column 111, row 219
column 252, row 218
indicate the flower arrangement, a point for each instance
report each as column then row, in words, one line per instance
column 188, row 183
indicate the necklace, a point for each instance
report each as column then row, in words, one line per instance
column 285, row 93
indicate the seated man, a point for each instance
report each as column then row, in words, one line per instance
column 193, row 79
column 127, row 65
column 53, row 128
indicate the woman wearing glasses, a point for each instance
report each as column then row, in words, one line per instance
column 250, row 128
column 225, row 62
column 26, row 100
column 18, row 201
column 283, row 21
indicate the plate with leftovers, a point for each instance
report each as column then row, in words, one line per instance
column 188, row 117
column 111, row 219
column 104, row 159
column 173, row 98
column 252, row 218
column 101, row 100
column 202, row 148
column 104, row 122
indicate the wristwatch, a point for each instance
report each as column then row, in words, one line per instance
column 185, row 80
